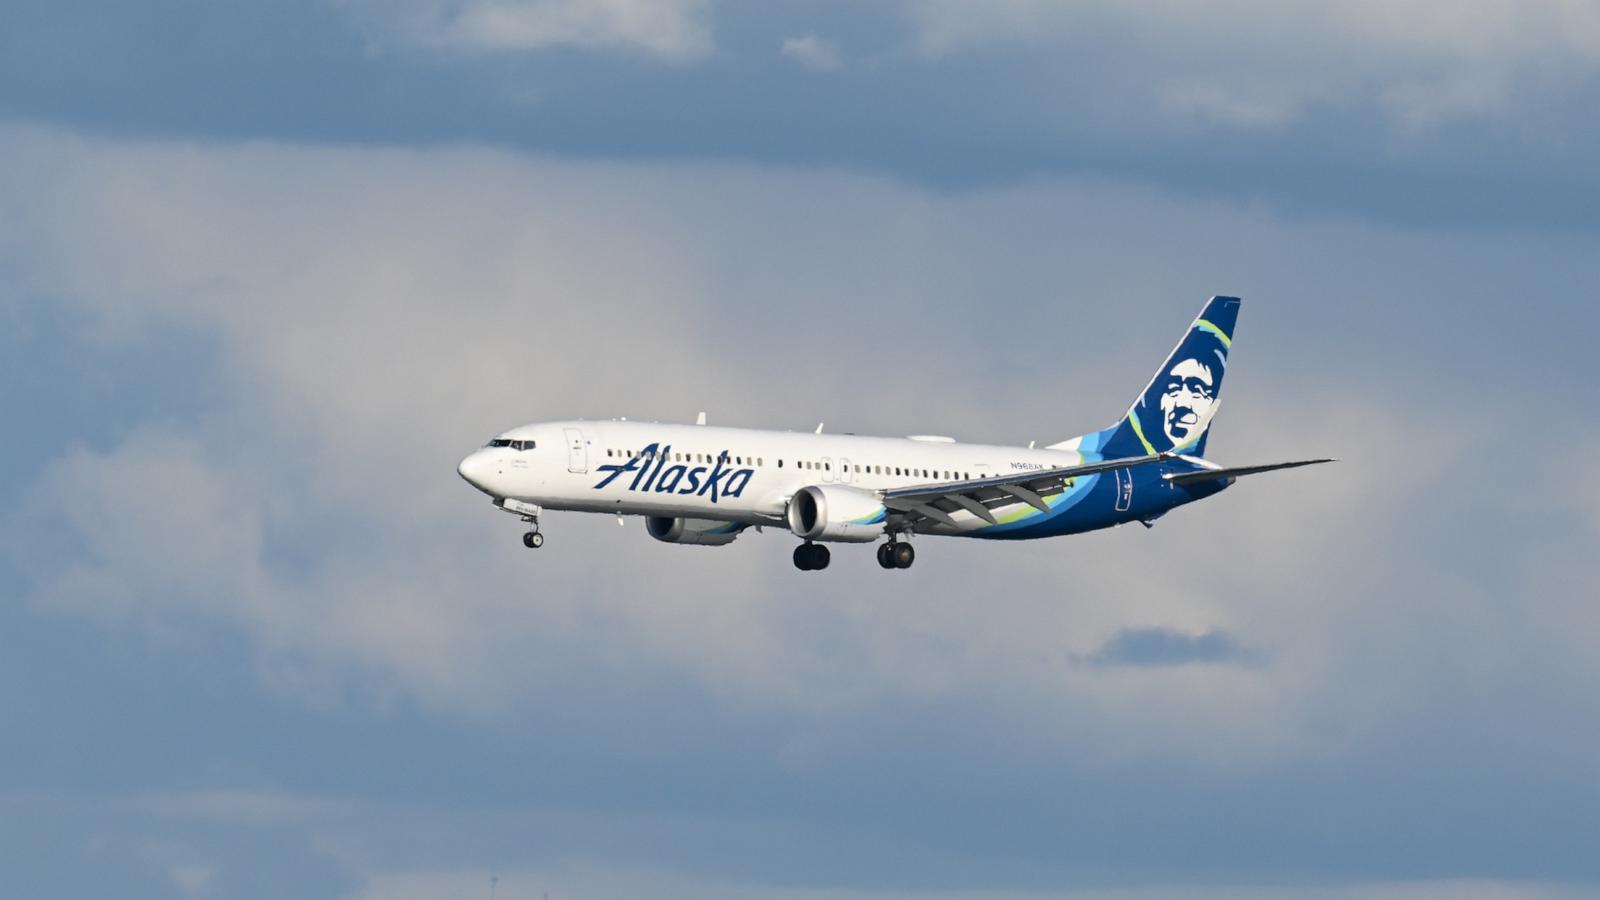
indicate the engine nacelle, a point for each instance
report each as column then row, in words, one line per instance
column 692, row 531
column 830, row 512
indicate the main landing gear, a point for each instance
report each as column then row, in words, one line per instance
column 809, row 557
column 896, row 555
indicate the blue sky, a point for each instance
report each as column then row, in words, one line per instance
column 270, row 270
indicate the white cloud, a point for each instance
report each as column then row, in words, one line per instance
column 673, row 30
column 1244, row 65
column 1269, row 107
column 813, row 52
column 379, row 312
column 193, row 879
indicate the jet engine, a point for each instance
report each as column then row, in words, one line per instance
column 692, row 531
column 830, row 512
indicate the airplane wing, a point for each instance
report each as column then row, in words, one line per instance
column 977, row 495
column 1236, row 471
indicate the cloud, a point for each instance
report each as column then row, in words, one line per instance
column 670, row 30
column 580, row 882
column 379, row 312
column 1243, row 67
column 193, row 880
column 1169, row 647
column 813, row 52
column 236, row 807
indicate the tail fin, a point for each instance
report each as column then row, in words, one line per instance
column 1174, row 411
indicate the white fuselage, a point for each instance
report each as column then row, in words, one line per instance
column 730, row 474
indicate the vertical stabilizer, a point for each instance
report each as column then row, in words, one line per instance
column 1174, row 411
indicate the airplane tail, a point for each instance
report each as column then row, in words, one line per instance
column 1174, row 411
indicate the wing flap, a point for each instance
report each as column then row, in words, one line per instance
column 1038, row 481
column 977, row 496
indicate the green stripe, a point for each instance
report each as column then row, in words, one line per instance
column 1134, row 421
column 1226, row 341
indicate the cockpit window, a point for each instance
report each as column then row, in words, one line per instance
column 522, row 445
column 500, row 442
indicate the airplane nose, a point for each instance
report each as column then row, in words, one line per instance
column 475, row 470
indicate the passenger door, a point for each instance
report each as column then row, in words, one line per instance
column 844, row 471
column 577, row 451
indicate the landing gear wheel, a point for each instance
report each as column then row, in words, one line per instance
column 533, row 540
column 904, row 555
column 811, row 557
column 886, row 555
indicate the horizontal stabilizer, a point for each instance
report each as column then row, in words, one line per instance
column 1236, row 471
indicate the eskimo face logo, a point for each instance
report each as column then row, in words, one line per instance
column 655, row 471
column 1188, row 399
column 1184, row 394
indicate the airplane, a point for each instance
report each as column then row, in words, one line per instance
column 704, row 485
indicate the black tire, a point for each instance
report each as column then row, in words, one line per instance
column 802, row 557
column 533, row 540
column 886, row 555
column 904, row 556
column 820, row 557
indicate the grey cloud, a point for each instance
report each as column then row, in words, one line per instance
column 1156, row 647
column 339, row 343
column 1478, row 119
column 377, row 312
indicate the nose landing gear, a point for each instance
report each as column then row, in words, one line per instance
column 810, row 557
column 533, row 540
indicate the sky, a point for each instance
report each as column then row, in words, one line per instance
column 268, row 271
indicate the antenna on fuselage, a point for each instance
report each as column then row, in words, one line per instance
column 700, row 419
column 819, row 427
